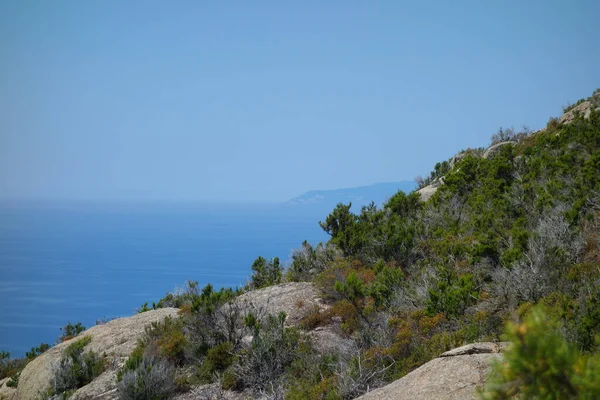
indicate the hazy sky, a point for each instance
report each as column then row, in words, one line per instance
column 257, row 100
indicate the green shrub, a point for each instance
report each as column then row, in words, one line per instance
column 312, row 376
column 541, row 364
column 273, row 349
column 266, row 273
column 151, row 379
column 69, row 331
column 452, row 295
column 217, row 360
column 144, row 308
column 14, row 380
column 134, row 360
column 76, row 368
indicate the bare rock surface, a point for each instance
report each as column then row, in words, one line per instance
column 103, row 387
column 476, row 348
column 329, row 339
column 296, row 299
column 427, row 192
column 584, row 109
column 455, row 375
column 211, row 392
column 492, row 150
column 116, row 339
column 7, row 393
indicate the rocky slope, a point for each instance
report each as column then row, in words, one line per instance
column 585, row 109
column 7, row 393
column 455, row 375
column 116, row 339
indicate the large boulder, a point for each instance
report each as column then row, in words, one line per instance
column 455, row 375
column 295, row 299
column 116, row 339
column 429, row 190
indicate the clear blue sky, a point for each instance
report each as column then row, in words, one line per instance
column 265, row 100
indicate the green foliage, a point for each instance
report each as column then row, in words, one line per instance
column 212, row 318
column 541, row 364
column 76, row 368
column 36, row 351
column 162, row 341
column 144, row 307
column 274, row 347
column 388, row 278
column 14, row 381
column 339, row 224
column 439, row 171
column 307, row 262
column 313, row 376
column 166, row 339
column 134, row 360
column 69, row 331
column 452, row 295
column 404, row 205
column 266, row 273
column 217, row 360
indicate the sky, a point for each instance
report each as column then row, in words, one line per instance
column 265, row 100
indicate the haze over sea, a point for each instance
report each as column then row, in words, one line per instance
column 83, row 261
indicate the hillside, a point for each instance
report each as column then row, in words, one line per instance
column 505, row 246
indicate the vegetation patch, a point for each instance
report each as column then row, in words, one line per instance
column 76, row 368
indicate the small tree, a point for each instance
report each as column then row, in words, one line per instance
column 69, row 331
column 266, row 273
column 36, row 351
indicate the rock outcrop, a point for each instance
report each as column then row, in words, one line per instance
column 430, row 190
column 297, row 300
column 6, row 392
column 212, row 391
column 584, row 109
column 455, row 375
column 492, row 150
column 116, row 339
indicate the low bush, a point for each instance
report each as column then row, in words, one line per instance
column 14, row 380
column 76, row 368
column 151, row 379
column 217, row 360
column 273, row 349
column 541, row 364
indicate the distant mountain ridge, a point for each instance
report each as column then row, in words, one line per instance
column 359, row 196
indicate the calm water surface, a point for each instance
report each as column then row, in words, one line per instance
column 63, row 262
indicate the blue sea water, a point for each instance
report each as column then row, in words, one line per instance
column 83, row 261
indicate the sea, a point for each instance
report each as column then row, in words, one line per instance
column 68, row 261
